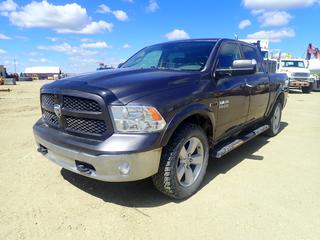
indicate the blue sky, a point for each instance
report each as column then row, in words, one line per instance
column 76, row 34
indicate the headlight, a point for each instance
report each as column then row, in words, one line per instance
column 137, row 119
column 286, row 83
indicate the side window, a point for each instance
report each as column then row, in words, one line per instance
column 250, row 53
column 227, row 54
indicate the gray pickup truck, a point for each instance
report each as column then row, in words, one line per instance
column 160, row 113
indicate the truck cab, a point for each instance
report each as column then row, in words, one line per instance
column 298, row 74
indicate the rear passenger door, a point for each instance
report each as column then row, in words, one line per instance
column 232, row 100
column 257, row 84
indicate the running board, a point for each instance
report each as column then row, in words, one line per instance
column 238, row 142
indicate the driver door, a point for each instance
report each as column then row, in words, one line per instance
column 233, row 99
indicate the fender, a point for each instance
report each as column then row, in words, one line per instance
column 179, row 117
column 280, row 90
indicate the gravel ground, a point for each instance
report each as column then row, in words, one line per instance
column 267, row 189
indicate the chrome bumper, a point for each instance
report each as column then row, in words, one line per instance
column 110, row 168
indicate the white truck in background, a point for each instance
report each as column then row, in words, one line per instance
column 298, row 74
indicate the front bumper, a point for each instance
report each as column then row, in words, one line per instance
column 104, row 167
column 298, row 83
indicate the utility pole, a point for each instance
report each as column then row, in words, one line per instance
column 15, row 65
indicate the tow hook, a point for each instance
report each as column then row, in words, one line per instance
column 85, row 168
column 43, row 150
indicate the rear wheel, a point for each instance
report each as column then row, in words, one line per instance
column 183, row 163
column 274, row 120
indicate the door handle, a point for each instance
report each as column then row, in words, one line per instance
column 246, row 85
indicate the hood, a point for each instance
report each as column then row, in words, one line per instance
column 126, row 85
column 297, row 70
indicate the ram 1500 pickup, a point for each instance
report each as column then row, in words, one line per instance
column 161, row 113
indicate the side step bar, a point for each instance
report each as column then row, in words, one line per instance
column 238, row 142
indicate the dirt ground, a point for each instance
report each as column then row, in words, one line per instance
column 267, row 189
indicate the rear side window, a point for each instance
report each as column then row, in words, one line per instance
column 250, row 53
column 227, row 54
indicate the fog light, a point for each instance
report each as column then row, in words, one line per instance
column 124, row 168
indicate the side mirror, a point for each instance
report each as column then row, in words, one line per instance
column 120, row 65
column 245, row 65
column 239, row 67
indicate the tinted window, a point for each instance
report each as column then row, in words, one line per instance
column 190, row 56
column 227, row 54
column 250, row 53
column 298, row 64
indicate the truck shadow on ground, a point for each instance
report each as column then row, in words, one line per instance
column 143, row 193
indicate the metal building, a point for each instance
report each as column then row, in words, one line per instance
column 50, row 73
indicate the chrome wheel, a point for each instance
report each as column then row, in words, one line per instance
column 276, row 119
column 190, row 161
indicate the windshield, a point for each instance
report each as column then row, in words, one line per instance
column 190, row 56
column 296, row 64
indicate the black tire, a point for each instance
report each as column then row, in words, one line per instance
column 274, row 128
column 306, row 89
column 166, row 180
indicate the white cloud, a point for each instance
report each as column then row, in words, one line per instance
column 118, row 14
column 153, row 6
column 4, row 37
column 273, row 35
column 103, row 9
column 95, row 45
column 33, row 54
column 2, row 51
column 274, row 18
column 8, row 6
column 126, row 46
column 68, row 18
column 66, row 48
column 86, row 40
column 276, row 4
column 41, row 60
column 244, row 23
column 177, row 34
column 92, row 28
column 256, row 12
column 52, row 39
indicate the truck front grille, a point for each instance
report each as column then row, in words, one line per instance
column 86, row 125
column 81, row 104
column 50, row 118
column 47, row 99
column 301, row 74
column 79, row 115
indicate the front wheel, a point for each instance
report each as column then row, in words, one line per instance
column 183, row 163
column 306, row 89
column 274, row 120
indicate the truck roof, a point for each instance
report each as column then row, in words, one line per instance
column 292, row 59
column 204, row 40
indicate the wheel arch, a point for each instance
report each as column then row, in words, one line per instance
column 198, row 114
column 280, row 95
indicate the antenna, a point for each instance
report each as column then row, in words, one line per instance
column 15, row 65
